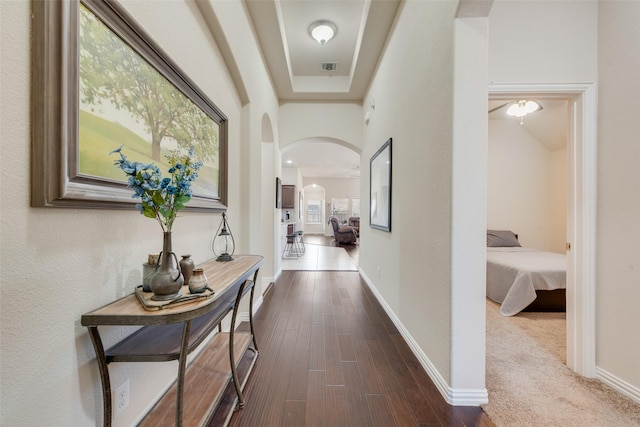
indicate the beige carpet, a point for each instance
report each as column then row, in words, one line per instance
column 529, row 384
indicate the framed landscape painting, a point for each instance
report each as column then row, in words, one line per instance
column 380, row 190
column 113, row 86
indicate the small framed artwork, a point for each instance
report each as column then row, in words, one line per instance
column 380, row 190
column 278, row 193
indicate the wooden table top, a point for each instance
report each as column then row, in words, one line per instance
column 222, row 276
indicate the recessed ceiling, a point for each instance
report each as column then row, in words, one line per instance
column 295, row 59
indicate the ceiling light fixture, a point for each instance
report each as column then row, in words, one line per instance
column 322, row 31
column 523, row 107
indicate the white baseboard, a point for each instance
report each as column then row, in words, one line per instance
column 455, row 397
column 629, row 390
column 243, row 316
column 257, row 303
column 266, row 281
column 467, row 397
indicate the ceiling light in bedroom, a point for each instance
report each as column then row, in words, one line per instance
column 523, row 107
column 322, row 31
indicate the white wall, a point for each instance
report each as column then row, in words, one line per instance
column 558, row 196
column 260, row 108
column 468, row 212
column 82, row 259
column 429, row 270
column 525, row 183
column 618, row 236
column 270, row 216
column 339, row 121
column 556, row 41
column 409, row 268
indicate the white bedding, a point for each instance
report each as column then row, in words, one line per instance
column 514, row 274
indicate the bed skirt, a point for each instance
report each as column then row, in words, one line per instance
column 549, row 301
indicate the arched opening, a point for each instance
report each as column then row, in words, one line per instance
column 269, row 222
column 267, row 129
column 329, row 164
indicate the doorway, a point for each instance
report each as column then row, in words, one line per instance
column 581, row 211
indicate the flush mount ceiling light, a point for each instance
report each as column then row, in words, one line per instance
column 322, row 31
column 523, row 107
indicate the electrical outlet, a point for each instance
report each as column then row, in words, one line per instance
column 121, row 397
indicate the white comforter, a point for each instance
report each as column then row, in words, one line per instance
column 514, row 274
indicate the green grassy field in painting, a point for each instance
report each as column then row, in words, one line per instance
column 98, row 137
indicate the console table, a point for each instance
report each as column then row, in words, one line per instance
column 173, row 332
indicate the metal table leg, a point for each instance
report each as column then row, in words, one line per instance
column 104, row 374
column 234, row 374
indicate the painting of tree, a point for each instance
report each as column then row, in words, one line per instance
column 125, row 100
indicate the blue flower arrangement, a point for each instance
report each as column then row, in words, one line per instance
column 161, row 198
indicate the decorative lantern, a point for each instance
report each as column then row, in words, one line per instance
column 223, row 244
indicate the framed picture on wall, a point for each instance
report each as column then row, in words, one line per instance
column 278, row 193
column 380, row 188
column 300, row 204
column 145, row 102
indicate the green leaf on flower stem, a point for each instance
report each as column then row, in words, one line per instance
column 158, row 200
column 149, row 212
column 183, row 199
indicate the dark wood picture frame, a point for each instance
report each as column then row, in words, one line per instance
column 55, row 176
column 380, row 188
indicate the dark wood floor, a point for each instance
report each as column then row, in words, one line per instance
column 330, row 356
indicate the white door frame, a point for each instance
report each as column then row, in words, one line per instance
column 581, row 212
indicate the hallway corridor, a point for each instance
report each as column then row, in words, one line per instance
column 330, row 356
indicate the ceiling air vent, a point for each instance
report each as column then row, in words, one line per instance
column 329, row 66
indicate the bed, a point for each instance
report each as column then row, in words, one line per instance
column 520, row 278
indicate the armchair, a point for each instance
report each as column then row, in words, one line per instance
column 354, row 221
column 344, row 234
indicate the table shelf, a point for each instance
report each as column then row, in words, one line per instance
column 144, row 345
column 206, row 379
column 174, row 332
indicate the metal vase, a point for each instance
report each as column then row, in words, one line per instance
column 186, row 267
column 168, row 280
